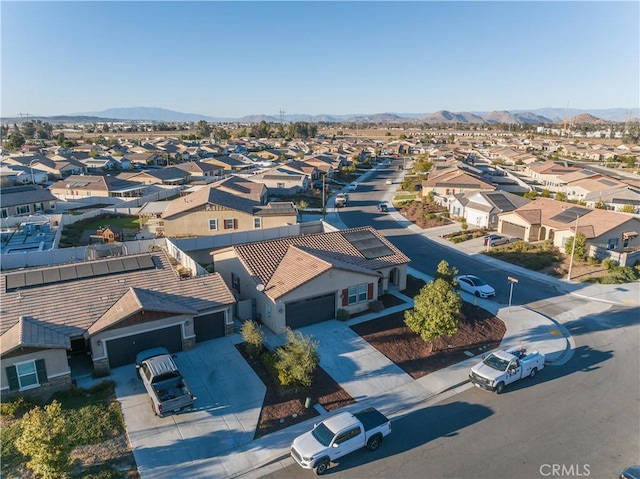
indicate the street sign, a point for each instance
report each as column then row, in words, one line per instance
column 511, row 280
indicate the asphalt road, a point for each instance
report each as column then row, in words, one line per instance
column 579, row 419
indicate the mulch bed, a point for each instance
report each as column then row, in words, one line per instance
column 478, row 330
column 284, row 406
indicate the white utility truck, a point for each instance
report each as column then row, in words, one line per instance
column 341, row 200
column 501, row 368
column 339, row 435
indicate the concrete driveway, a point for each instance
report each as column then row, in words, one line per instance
column 229, row 397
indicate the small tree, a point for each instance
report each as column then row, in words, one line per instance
column 447, row 273
column 253, row 337
column 628, row 209
column 436, row 311
column 43, row 441
column 600, row 204
column 580, row 251
column 297, row 360
column 531, row 194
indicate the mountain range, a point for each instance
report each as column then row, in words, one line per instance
column 536, row 116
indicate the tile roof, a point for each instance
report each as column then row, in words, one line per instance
column 134, row 301
column 72, row 307
column 21, row 195
column 210, row 195
column 30, row 333
column 95, row 183
column 277, row 261
column 593, row 222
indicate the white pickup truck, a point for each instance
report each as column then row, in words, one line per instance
column 341, row 200
column 165, row 385
column 339, row 435
column 501, row 368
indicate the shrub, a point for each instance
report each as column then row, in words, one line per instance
column 297, row 360
column 253, row 337
column 43, row 441
column 15, row 408
column 609, row 264
column 342, row 314
column 376, row 306
column 592, row 261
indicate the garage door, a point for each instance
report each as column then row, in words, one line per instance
column 515, row 231
column 209, row 326
column 123, row 351
column 311, row 310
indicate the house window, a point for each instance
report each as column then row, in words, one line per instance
column 213, row 225
column 23, row 209
column 52, row 206
column 230, row 224
column 4, row 213
column 257, row 223
column 39, row 206
column 235, row 282
column 27, row 375
column 612, row 243
column 357, row 294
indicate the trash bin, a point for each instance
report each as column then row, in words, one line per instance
column 307, row 403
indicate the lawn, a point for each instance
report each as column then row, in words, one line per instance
column 95, row 429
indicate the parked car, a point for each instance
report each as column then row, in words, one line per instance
column 353, row 186
column 495, row 240
column 383, row 207
column 631, row 472
column 476, row 286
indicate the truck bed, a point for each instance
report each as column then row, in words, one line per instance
column 371, row 418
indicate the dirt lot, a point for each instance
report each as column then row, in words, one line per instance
column 423, row 215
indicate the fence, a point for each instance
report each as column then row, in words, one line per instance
column 624, row 258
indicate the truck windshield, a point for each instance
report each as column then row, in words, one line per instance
column 496, row 363
column 323, row 434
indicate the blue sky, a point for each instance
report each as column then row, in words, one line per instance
column 229, row 59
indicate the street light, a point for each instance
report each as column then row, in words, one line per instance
column 31, row 168
column 573, row 248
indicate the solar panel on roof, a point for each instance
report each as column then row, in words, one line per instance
column 32, row 278
column 368, row 244
column 501, row 202
column 570, row 214
column 607, row 182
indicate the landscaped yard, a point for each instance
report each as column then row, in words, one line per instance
column 72, row 235
column 424, row 215
column 94, row 427
column 478, row 329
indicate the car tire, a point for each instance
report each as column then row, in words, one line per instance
column 500, row 387
column 533, row 372
column 321, row 468
column 374, row 442
column 477, row 293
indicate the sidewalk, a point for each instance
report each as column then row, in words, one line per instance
column 373, row 380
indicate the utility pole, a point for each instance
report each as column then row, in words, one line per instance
column 573, row 248
column 512, row 281
column 323, row 208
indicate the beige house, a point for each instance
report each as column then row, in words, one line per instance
column 231, row 205
column 86, row 186
column 452, row 181
column 301, row 280
column 103, row 313
column 547, row 219
column 25, row 200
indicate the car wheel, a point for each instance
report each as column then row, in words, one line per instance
column 322, row 467
column 533, row 372
column 374, row 443
column 500, row 387
column 477, row 293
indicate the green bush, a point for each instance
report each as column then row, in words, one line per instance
column 253, row 337
column 609, row 264
column 297, row 360
column 342, row 314
column 376, row 306
column 15, row 408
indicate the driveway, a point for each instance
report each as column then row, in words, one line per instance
column 229, row 397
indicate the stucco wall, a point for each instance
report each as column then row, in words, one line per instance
column 196, row 223
column 55, row 360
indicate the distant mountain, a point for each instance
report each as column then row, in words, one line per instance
column 142, row 113
column 538, row 116
column 586, row 119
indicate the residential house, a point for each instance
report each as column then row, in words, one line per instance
column 615, row 199
column 107, row 310
column 326, row 164
column 549, row 174
column 282, row 181
column 85, row 186
column 547, row 219
column 444, row 184
column 579, row 189
column 481, row 208
column 226, row 165
column 169, row 175
column 300, row 280
column 216, row 210
column 26, row 200
column 56, row 167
